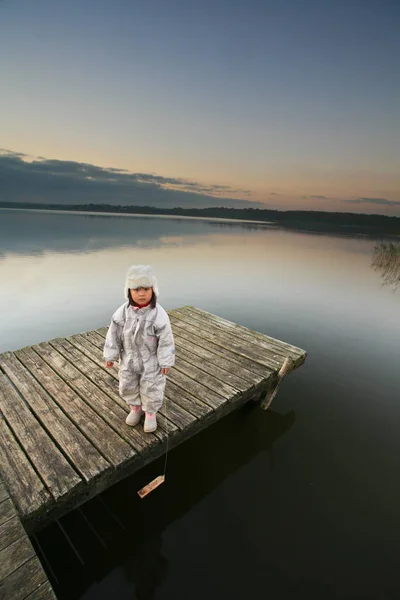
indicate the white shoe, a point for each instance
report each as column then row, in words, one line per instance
column 134, row 416
column 150, row 422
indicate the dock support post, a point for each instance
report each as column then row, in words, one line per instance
column 271, row 393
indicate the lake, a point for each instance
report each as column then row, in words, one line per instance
column 300, row 500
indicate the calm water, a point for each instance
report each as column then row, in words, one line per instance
column 300, row 500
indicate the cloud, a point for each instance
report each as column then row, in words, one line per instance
column 69, row 182
column 317, row 197
column 273, row 194
column 380, row 201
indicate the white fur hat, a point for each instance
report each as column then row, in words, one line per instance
column 140, row 276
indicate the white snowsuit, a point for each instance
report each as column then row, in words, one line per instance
column 142, row 339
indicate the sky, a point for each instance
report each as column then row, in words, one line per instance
column 286, row 104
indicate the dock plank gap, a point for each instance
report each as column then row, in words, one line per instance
column 63, row 436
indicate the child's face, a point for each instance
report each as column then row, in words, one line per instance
column 141, row 295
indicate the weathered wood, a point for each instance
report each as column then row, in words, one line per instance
column 71, row 398
column 173, row 392
column 110, row 385
column 94, row 338
column 194, row 388
column 240, row 345
column 27, row 490
column 58, row 475
column 207, row 380
column 180, row 416
column 81, row 453
column 248, row 365
column 91, row 351
column 21, row 573
column 101, row 331
column 44, row 592
column 259, row 339
column 10, row 531
column 24, row 581
column 190, row 403
column 204, row 364
column 116, row 407
column 170, row 420
column 211, row 390
column 271, row 393
column 242, row 376
column 118, row 450
column 93, row 427
column 239, row 350
column 7, row 511
column 3, row 492
column 15, row 555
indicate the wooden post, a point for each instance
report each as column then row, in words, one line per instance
column 271, row 393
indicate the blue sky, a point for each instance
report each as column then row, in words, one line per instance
column 291, row 103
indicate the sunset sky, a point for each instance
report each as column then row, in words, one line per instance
column 294, row 104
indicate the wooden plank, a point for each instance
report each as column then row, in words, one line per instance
column 88, row 421
column 241, row 348
column 165, row 425
column 270, row 356
column 15, row 555
column 264, row 340
column 208, row 380
column 10, row 531
column 255, row 337
column 97, row 373
column 24, row 581
column 94, row 338
column 196, row 389
column 93, row 349
column 180, row 416
column 204, row 364
column 83, row 455
column 210, row 390
column 21, row 572
column 3, row 492
column 101, row 331
column 25, row 486
column 44, row 592
column 100, row 402
column 255, row 369
column 7, row 511
column 56, row 472
column 199, row 354
column 190, row 403
column 234, row 364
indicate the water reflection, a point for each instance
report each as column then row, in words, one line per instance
column 131, row 530
column 386, row 260
column 38, row 233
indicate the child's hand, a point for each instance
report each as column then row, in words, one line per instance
column 109, row 364
column 164, row 371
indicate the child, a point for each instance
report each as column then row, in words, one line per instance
column 140, row 335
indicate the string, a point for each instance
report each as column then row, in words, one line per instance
column 166, row 431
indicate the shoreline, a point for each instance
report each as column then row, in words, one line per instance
column 146, row 215
column 301, row 224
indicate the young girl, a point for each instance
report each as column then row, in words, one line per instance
column 140, row 335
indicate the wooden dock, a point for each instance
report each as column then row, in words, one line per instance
column 21, row 574
column 62, row 433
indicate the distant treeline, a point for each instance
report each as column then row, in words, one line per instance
column 296, row 219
